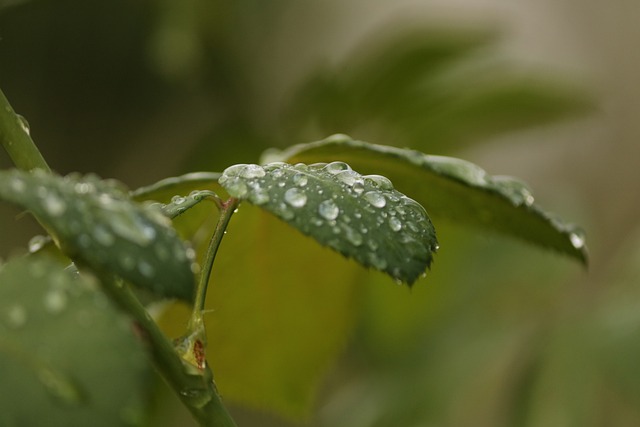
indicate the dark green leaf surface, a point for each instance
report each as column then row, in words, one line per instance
column 451, row 189
column 362, row 217
column 67, row 357
column 96, row 223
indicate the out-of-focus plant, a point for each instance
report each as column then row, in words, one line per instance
column 281, row 307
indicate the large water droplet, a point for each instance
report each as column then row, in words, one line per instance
column 328, row 209
column 295, row 197
column 375, row 199
column 349, row 177
column 252, row 171
column 379, row 181
column 236, row 187
column 336, row 167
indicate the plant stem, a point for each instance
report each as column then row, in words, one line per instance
column 15, row 138
column 227, row 209
column 196, row 389
column 173, row 183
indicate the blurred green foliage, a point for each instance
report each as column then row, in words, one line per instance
column 498, row 335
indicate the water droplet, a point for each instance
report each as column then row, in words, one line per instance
column 336, row 167
column 577, row 239
column 375, row 198
column 349, row 177
column 54, row 205
column 17, row 316
column 259, row 196
column 358, row 187
column 236, row 187
column 395, row 223
column 284, row 212
column 277, row 173
column 328, row 209
column 300, row 179
column 55, row 301
column 295, row 197
column 24, row 124
column 37, row 242
column 252, row 171
column 379, row 181
column 178, row 200
column 352, row 236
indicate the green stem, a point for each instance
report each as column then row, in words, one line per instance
column 227, row 209
column 15, row 138
column 196, row 389
column 174, row 183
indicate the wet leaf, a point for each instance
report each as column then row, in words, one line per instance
column 67, row 357
column 362, row 217
column 95, row 222
column 451, row 189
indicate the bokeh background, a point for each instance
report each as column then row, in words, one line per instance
column 500, row 334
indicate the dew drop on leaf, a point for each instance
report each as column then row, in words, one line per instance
column 375, row 198
column 328, row 209
column 336, row 167
column 295, row 197
column 395, row 224
column 37, row 242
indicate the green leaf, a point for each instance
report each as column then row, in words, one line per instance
column 95, row 223
column 362, row 217
column 67, row 357
column 450, row 189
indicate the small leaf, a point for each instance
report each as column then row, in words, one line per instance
column 362, row 217
column 67, row 356
column 451, row 189
column 96, row 223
